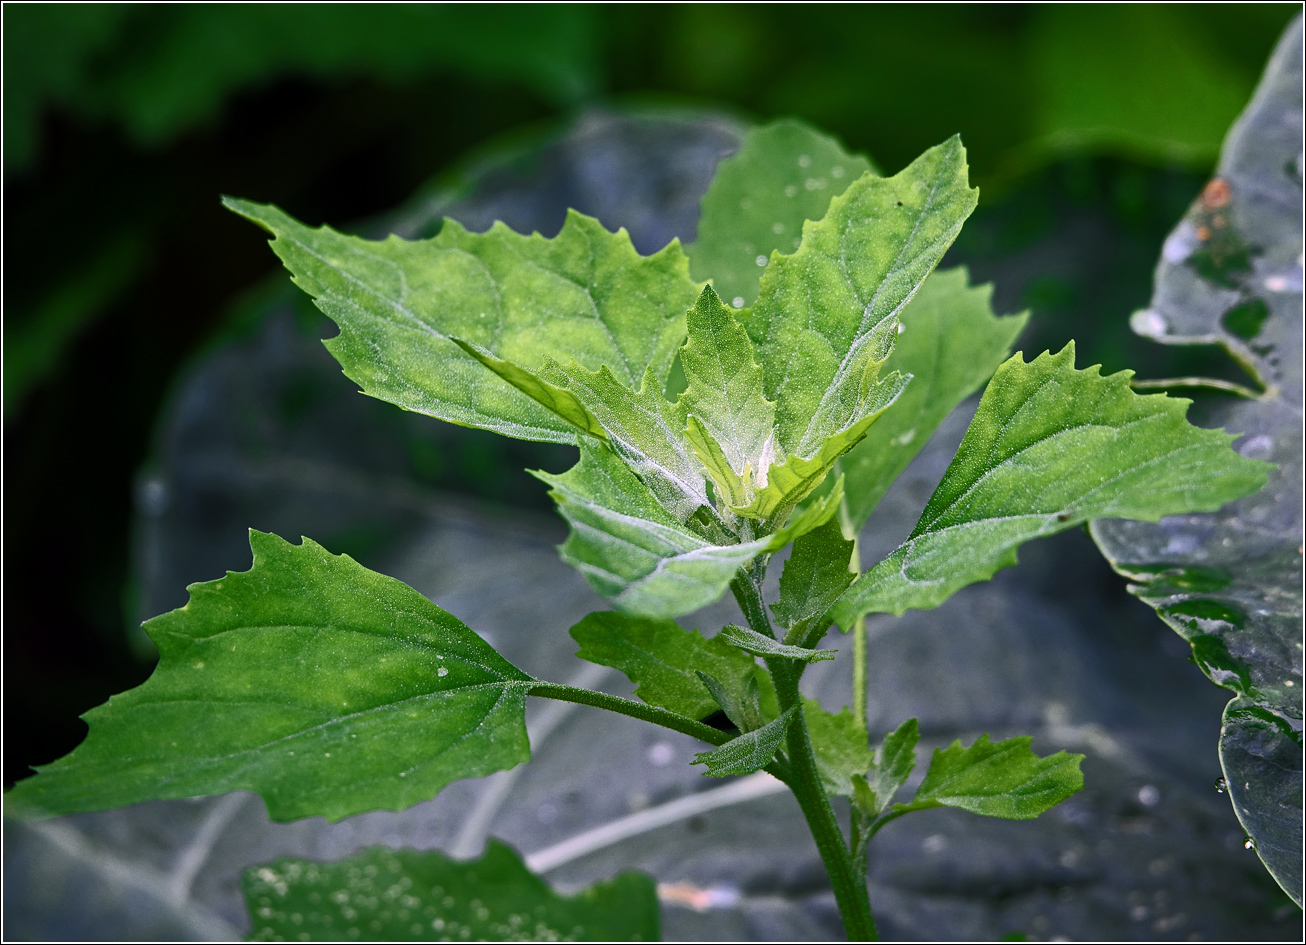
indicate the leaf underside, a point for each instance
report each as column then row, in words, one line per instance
column 326, row 688
column 410, row 895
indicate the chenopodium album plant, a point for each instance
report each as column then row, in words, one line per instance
column 712, row 435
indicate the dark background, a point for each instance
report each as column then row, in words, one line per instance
column 1089, row 130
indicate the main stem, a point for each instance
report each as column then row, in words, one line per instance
column 804, row 780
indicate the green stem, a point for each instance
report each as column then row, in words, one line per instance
column 804, row 780
column 859, row 626
column 636, row 710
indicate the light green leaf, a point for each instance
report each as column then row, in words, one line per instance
column 646, row 430
column 326, row 688
column 997, row 779
column 732, row 424
column 826, row 316
column 411, row 895
column 791, row 481
column 661, row 658
column 557, row 400
column 585, row 295
column 785, row 173
column 1050, row 447
column 842, row 752
column 629, row 547
column 809, row 518
column 950, row 343
column 816, row 573
column 751, row 751
column 894, row 762
column 750, row 641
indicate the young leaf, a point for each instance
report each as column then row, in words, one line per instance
column 826, row 316
column 950, row 342
column 750, row 641
column 750, row 752
column 733, row 429
column 629, row 547
column 813, row 578
column 661, row 658
column 809, row 518
column 842, row 752
column 741, row 704
column 326, row 688
column 894, row 762
column 411, row 895
column 784, row 174
column 997, row 779
column 586, row 295
column 1050, row 447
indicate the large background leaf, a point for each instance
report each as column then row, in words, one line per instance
column 1230, row 583
column 327, row 688
column 411, row 896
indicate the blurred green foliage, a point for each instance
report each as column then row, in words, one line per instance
column 1023, row 85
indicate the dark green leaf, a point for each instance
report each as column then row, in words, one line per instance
column 584, row 295
column 327, row 688
column 750, row 641
column 1231, row 583
column 816, row 573
column 1050, row 447
column 842, row 752
column 661, row 657
column 950, row 343
column 751, row 751
column 784, row 174
column 894, row 762
column 997, row 779
column 742, row 704
column 385, row 895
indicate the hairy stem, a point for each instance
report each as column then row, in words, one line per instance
column 849, row 888
column 636, row 710
column 859, row 629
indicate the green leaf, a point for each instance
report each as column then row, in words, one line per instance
column 732, row 425
column 894, row 762
column 646, row 430
column 585, row 295
column 410, row 895
column 629, row 547
column 751, row 751
column 809, row 518
column 1050, row 447
column 661, row 658
column 742, row 704
column 950, row 343
column 816, row 573
column 826, row 316
column 750, row 641
column 783, row 174
column 326, row 688
column 839, row 742
column 997, row 779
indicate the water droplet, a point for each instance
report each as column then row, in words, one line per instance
column 900, row 328
column 1249, row 844
column 777, row 227
column 442, row 671
column 760, row 260
column 804, row 160
column 1149, row 796
column 737, row 301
